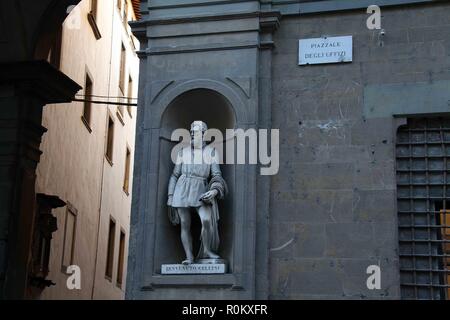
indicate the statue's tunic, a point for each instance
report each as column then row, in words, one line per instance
column 189, row 179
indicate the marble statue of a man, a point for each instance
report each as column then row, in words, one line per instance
column 195, row 185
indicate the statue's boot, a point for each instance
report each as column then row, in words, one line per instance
column 211, row 255
column 187, row 262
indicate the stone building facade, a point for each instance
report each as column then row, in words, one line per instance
column 352, row 190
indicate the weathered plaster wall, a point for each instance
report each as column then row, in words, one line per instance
column 73, row 164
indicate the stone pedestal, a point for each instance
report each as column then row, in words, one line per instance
column 204, row 266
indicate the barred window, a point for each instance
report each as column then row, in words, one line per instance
column 423, row 190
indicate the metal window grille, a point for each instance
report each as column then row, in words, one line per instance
column 423, row 190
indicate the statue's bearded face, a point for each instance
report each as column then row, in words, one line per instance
column 197, row 136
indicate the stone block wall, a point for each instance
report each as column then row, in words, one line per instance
column 333, row 205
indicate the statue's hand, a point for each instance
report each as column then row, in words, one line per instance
column 209, row 196
column 169, row 201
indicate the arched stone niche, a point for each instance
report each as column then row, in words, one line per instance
column 171, row 105
column 217, row 112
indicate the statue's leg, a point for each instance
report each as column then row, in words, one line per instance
column 205, row 213
column 186, row 237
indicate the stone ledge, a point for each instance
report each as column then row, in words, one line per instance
column 167, row 269
column 289, row 7
column 40, row 79
column 205, row 280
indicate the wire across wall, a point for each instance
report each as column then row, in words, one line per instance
column 98, row 99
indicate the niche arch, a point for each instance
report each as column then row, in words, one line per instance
column 218, row 112
column 172, row 90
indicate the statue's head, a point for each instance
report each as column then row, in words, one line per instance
column 198, row 129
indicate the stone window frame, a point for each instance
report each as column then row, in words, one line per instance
column 120, row 109
column 121, row 259
column 70, row 209
column 123, row 67
column 108, row 143
column 92, row 17
column 110, row 250
column 130, row 94
column 88, row 121
column 127, row 173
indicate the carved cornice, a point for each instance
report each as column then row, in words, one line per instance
column 203, row 48
column 139, row 29
column 40, row 79
column 196, row 18
column 269, row 21
column 293, row 8
column 195, row 4
column 269, row 18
